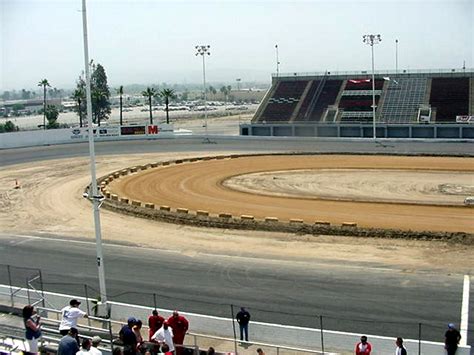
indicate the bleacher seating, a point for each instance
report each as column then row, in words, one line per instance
column 403, row 99
column 307, row 100
column 283, row 102
column 328, row 97
column 450, row 97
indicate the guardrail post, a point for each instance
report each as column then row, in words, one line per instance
column 419, row 338
column 111, row 335
column 42, row 290
column 322, row 333
column 233, row 327
column 87, row 303
column 28, row 291
column 10, row 284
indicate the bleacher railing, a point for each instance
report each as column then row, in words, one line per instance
column 377, row 72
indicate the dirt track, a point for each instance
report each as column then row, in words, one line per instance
column 50, row 201
column 205, row 186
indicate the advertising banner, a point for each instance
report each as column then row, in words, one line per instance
column 464, row 119
column 132, row 130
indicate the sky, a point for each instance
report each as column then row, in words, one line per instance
column 153, row 41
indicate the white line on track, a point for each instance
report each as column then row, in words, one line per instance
column 465, row 310
column 249, row 258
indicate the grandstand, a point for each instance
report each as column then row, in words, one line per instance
column 406, row 97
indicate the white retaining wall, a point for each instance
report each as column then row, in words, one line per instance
column 283, row 335
column 72, row 135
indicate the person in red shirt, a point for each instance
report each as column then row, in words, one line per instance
column 363, row 347
column 155, row 321
column 180, row 326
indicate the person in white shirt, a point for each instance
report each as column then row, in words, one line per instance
column 86, row 346
column 164, row 335
column 95, row 343
column 70, row 314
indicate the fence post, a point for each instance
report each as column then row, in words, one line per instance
column 322, row 333
column 111, row 335
column 10, row 284
column 419, row 338
column 154, row 300
column 233, row 327
column 43, row 303
column 28, row 291
column 87, row 303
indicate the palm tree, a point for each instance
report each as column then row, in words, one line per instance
column 77, row 96
column 120, row 92
column 44, row 83
column 150, row 93
column 167, row 94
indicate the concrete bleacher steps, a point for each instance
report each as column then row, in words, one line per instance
column 403, row 99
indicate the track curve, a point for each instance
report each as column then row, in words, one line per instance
column 199, row 186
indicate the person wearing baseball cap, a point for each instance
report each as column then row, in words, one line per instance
column 70, row 314
column 95, row 343
column 451, row 339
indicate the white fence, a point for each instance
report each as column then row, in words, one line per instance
column 298, row 337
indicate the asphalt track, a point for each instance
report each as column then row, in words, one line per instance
column 352, row 297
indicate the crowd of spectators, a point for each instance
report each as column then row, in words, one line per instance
column 165, row 336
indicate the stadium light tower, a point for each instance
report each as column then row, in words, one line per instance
column 277, row 60
column 371, row 40
column 396, row 56
column 203, row 51
column 93, row 193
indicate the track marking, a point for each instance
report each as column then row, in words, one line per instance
column 465, row 310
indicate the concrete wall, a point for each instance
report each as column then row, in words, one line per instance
column 298, row 337
column 73, row 135
column 417, row 131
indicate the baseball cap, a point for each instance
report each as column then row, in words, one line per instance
column 451, row 325
column 132, row 320
column 96, row 339
column 74, row 302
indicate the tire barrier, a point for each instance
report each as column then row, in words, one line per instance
column 203, row 218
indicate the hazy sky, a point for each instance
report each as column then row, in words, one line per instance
column 153, row 41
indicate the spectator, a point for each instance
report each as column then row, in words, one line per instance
column 155, row 321
column 363, row 347
column 70, row 314
column 260, row 351
column 211, row 351
column 164, row 335
column 451, row 339
column 180, row 326
column 32, row 328
column 128, row 337
column 243, row 318
column 86, row 346
column 400, row 348
column 137, row 331
column 117, row 351
column 165, row 349
column 68, row 343
column 95, row 344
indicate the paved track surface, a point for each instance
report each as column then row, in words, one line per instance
column 275, row 290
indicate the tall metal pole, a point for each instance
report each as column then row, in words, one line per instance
column 277, row 61
column 93, row 195
column 396, row 56
column 203, row 50
column 373, row 93
column 205, row 94
column 371, row 40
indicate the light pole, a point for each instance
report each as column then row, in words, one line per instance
column 202, row 51
column 277, row 60
column 396, row 56
column 238, row 80
column 371, row 40
column 93, row 193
